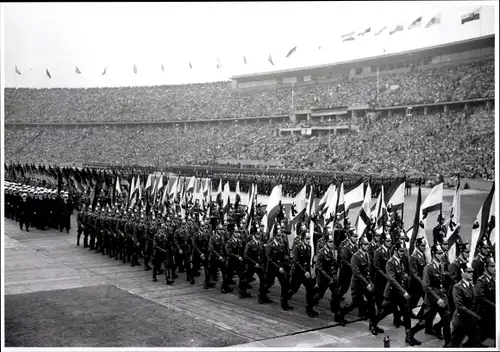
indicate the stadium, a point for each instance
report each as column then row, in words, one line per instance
column 397, row 147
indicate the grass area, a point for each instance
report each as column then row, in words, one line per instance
column 103, row 316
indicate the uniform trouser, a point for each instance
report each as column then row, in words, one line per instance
column 325, row 284
column 299, row 278
column 429, row 312
column 148, row 253
column 179, row 259
column 136, row 252
column 184, row 259
column 271, row 274
column 158, row 259
column 416, row 293
column 399, row 306
column 345, row 274
column 379, row 292
column 488, row 323
column 79, row 234
column 358, row 301
column 64, row 222
column 196, row 261
column 98, row 240
column 205, row 264
column 248, row 273
column 23, row 219
column 216, row 265
column 170, row 260
column 460, row 329
column 92, row 244
column 233, row 265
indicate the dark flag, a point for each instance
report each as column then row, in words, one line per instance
column 292, row 50
column 472, row 16
column 17, row 71
column 104, row 72
column 162, row 67
column 399, row 28
column 77, row 70
column 135, row 69
column 47, row 73
column 245, row 60
column 190, row 66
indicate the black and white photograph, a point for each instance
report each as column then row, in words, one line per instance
column 249, row 175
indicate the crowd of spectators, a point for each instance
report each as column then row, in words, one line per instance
column 441, row 143
column 218, row 100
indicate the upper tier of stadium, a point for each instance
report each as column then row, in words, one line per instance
column 447, row 73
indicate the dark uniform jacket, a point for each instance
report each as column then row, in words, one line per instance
column 360, row 265
column 433, row 281
column 397, row 278
column 465, row 304
column 327, row 264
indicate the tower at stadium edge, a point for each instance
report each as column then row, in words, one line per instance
column 329, row 99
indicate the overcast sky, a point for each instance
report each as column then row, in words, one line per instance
column 118, row 35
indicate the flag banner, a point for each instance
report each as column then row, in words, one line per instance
column 190, row 66
column 381, row 30
column 347, row 37
column 471, row 16
column 312, row 211
column 415, row 23
column 17, row 71
column 270, row 59
column 395, row 195
column 245, row 60
column 273, row 207
column 162, row 68
column 398, row 28
column 103, row 72
column 417, row 223
column 434, row 20
column 366, row 31
column 364, row 212
column 135, row 69
column 47, row 73
column 354, row 198
column 434, row 201
column 290, row 53
column 77, row 70
column 298, row 208
column 323, row 201
column 480, row 225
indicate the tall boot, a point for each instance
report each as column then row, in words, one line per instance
column 154, row 274
column 311, row 312
column 284, row 304
column 410, row 338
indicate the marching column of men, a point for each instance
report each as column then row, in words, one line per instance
column 376, row 266
column 38, row 207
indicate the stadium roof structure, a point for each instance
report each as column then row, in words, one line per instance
column 448, row 48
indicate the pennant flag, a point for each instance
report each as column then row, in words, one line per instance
column 434, row 201
column 251, row 205
column 312, row 210
column 481, row 223
column 434, row 20
column 270, row 59
column 173, row 190
column 135, row 69
column 190, row 66
column 368, row 30
column 319, row 47
column 77, row 70
column 149, row 182
column 162, row 68
column 238, row 195
column 17, row 71
column 471, row 16
column 395, row 195
column 103, row 72
column 331, row 207
column 47, row 73
column 323, row 201
column 453, row 224
column 190, row 187
column 273, row 207
column 292, row 50
column 381, row 30
column 364, row 212
column 225, row 197
column 340, row 201
column 118, row 187
column 415, row 23
column 347, row 37
column 298, row 208
column 417, row 224
column 245, row 60
column 354, row 198
column 398, row 28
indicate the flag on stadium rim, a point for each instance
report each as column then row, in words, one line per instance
column 381, row 30
column 245, row 60
column 471, row 16
column 434, row 20
column 347, row 37
column 47, row 73
column 218, row 64
column 77, row 70
column 135, row 68
column 484, row 216
column 103, row 72
column 162, row 68
column 368, row 30
column 364, row 213
column 270, row 59
column 190, row 66
column 399, row 28
column 292, row 50
column 415, row 23
column 17, row 71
